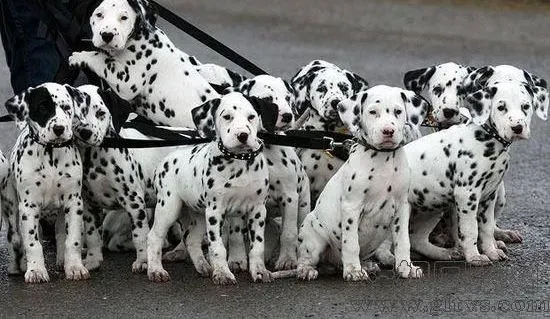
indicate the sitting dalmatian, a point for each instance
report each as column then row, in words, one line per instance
column 142, row 65
column 368, row 196
column 461, row 169
column 319, row 87
column 214, row 182
column 46, row 176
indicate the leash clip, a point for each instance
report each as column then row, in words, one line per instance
column 345, row 144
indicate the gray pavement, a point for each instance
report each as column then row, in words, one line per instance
column 379, row 40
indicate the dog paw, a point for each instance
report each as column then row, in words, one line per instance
column 479, row 260
column 508, row 236
column 36, row 275
column 92, row 262
column 410, row 271
column 77, row 272
column 238, row 266
column 352, row 273
column 496, row 254
column 223, row 277
column 158, row 275
column 139, row 266
column 174, row 256
column 455, row 253
column 371, row 267
column 261, row 274
column 286, row 262
column 307, row 272
column 501, row 245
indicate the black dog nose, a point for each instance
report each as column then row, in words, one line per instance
column 334, row 103
column 449, row 113
column 286, row 118
column 85, row 134
column 58, row 129
column 242, row 137
column 388, row 132
column 107, row 36
column 517, row 129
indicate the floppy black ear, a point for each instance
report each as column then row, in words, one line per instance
column 416, row 107
column 119, row 108
column 416, row 80
column 470, row 69
column 479, row 104
column 146, row 16
column 268, row 111
column 358, row 83
column 18, row 106
column 477, row 79
column 204, row 118
column 221, row 88
column 349, row 111
column 236, row 77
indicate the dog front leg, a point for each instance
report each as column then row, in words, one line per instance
column 109, row 69
column 221, row 275
column 94, row 243
column 74, row 268
column 289, row 235
column 487, row 225
column 402, row 245
column 256, row 229
column 236, row 247
column 28, row 221
column 466, row 207
column 350, row 241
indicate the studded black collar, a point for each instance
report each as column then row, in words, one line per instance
column 240, row 156
column 35, row 138
column 491, row 130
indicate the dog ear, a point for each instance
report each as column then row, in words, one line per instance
column 416, row 107
column 479, row 104
column 221, row 89
column 203, row 117
column 146, row 16
column 268, row 111
column 289, row 87
column 470, row 69
column 349, row 111
column 236, row 77
column 477, row 79
column 540, row 94
column 18, row 106
column 358, row 84
column 416, row 80
column 119, row 108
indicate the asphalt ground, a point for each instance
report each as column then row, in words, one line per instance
column 379, row 40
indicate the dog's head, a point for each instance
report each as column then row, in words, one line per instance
column 443, row 84
column 274, row 90
column 508, row 105
column 235, row 119
column 48, row 109
column 93, row 121
column 320, row 86
column 489, row 75
column 384, row 116
column 114, row 22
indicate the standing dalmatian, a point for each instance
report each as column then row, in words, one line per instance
column 142, row 65
column 319, row 87
column 461, row 168
column 46, row 176
column 214, row 182
column 368, row 196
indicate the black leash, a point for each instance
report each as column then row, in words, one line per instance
column 207, row 40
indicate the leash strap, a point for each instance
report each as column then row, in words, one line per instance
column 113, row 142
column 208, row 40
column 6, row 118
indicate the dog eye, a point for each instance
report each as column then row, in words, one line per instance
column 501, row 107
column 123, row 18
column 99, row 15
column 251, row 117
column 227, row 117
column 525, row 106
column 398, row 112
column 373, row 112
column 100, row 113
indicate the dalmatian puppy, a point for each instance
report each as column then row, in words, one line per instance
column 442, row 84
column 142, row 65
column 358, row 207
column 46, row 176
column 319, row 86
column 460, row 169
column 214, row 182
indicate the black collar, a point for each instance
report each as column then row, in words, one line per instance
column 491, row 130
column 35, row 138
column 370, row 147
column 240, row 156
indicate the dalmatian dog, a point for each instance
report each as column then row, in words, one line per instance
column 221, row 180
column 442, row 84
column 142, row 65
column 319, row 86
column 460, row 169
column 368, row 196
column 46, row 176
